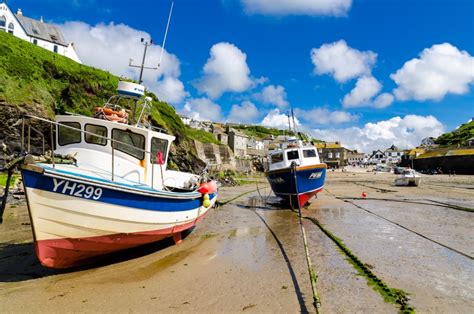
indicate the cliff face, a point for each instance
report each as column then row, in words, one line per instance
column 38, row 82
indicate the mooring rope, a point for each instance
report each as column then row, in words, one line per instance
column 403, row 227
column 312, row 274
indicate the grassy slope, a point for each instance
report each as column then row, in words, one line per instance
column 458, row 136
column 32, row 75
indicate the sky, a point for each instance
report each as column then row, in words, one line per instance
column 367, row 73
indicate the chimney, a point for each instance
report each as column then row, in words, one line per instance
column 19, row 13
column 41, row 19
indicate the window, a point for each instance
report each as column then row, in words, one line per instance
column 338, row 154
column 55, row 48
column 96, row 129
column 308, row 153
column 68, row 136
column 291, row 155
column 130, row 138
column 158, row 145
column 11, row 27
column 3, row 23
column 35, row 41
column 35, row 31
column 330, row 155
column 277, row 158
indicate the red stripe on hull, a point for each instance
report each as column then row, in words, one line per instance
column 304, row 198
column 64, row 253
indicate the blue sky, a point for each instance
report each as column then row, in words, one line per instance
column 369, row 73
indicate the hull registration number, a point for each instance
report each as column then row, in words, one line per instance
column 76, row 189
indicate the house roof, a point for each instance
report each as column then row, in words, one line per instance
column 328, row 145
column 41, row 30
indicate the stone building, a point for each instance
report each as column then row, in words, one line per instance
column 39, row 33
column 219, row 133
column 332, row 153
column 238, row 143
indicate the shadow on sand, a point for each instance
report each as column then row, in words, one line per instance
column 18, row 262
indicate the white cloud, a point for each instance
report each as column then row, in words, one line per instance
column 342, row 61
column 325, row 116
column 109, row 47
column 244, row 113
column 274, row 95
column 226, row 70
column 361, row 95
column 404, row 132
column 275, row 119
column 298, row 7
column 383, row 100
column 170, row 90
column 440, row 70
column 202, row 109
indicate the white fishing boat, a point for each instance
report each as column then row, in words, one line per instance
column 295, row 172
column 408, row 177
column 118, row 194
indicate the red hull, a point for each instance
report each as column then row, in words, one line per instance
column 304, row 198
column 65, row 253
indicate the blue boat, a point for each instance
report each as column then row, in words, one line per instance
column 295, row 173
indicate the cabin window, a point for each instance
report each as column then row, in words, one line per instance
column 277, row 158
column 68, row 136
column 292, row 155
column 135, row 143
column 309, row 153
column 96, row 129
column 158, row 145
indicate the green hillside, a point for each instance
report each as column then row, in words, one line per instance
column 40, row 82
column 458, row 136
column 32, row 75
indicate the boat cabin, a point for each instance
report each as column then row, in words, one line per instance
column 283, row 158
column 138, row 156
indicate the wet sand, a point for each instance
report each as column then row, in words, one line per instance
column 248, row 256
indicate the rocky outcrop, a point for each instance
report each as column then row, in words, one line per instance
column 11, row 125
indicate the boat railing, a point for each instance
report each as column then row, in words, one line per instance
column 54, row 123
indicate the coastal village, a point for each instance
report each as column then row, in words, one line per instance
column 115, row 201
column 236, row 151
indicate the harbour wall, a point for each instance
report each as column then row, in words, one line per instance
column 460, row 164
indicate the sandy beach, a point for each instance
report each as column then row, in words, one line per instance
column 247, row 255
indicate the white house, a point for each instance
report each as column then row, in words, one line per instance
column 36, row 32
column 253, row 143
column 393, row 155
column 377, row 157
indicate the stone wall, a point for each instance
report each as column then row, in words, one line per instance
column 217, row 157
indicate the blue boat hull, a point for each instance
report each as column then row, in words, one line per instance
column 309, row 181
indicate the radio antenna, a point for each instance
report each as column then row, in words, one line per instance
column 166, row 33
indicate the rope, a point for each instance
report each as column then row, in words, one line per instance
column 312, row 274
column 403, row 227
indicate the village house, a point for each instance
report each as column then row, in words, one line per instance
column 393, row 155
column 238, row 143
column 219, row 133
column 333, row 154
column 39, row 33
column 355, row 158
column 377, row 157
column 185, row 119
